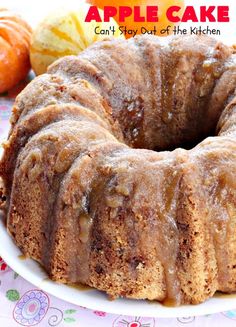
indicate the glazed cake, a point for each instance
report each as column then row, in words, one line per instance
column 119, row 170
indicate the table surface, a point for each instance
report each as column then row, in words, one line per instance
column 22, row 304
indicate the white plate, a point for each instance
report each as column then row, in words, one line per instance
column 92, row 299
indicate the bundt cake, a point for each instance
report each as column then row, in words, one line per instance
column 119, row 170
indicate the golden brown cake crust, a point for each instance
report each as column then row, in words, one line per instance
column 88, row 197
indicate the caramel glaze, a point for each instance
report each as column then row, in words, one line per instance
column 224, row 295
column 38, row 119
column 73, row 218
column 22, row 257
column 132, row 222
column 80, row 287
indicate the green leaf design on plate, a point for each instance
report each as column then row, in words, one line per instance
column 70, row 311
column 13, row 295
column 69, row 319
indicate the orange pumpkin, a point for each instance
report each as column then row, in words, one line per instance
column 129, row 22
column 15, row 36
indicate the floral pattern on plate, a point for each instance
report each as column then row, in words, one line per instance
column 31, row 308
column 130, row 321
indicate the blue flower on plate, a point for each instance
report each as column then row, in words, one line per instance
column 230, row 314
column 31, row 308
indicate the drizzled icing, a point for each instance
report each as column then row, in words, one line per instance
column 110, row 215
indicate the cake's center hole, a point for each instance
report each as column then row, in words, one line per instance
column 178, row 125
column 185, row 139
